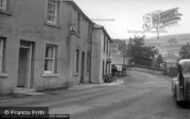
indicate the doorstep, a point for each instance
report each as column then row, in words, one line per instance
column 82, row 86
column 27, row 91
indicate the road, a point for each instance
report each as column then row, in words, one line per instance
column 142, row 96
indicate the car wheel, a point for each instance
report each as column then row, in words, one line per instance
column 178, row 102
column 181, row 103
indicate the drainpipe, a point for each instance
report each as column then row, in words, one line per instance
column 69, row 42
column 91, row 29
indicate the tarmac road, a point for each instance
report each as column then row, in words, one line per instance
column 142, row 96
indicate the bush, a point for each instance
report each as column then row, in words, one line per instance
column 108, row 78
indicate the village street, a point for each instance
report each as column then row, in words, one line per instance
column 141, row 96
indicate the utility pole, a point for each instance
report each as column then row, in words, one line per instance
column 124, row 52
column 158, row 32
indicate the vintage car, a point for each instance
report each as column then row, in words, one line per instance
column 181, row 83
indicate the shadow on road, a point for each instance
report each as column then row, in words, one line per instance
column 184, row 105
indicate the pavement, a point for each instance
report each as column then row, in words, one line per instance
column 139, row 96
column 86, row 86
column 27, row 92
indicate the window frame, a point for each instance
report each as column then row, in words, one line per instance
column 104, row 43
column 56, row 12
column 4, row 5
column 103, row 68
column 77, row 61
column 107, row 49
column 88, row 62
column 54, row 59
column 78, row 22
column 2, row 54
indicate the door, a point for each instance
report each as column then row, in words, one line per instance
column 82, row 67
column 24, row 66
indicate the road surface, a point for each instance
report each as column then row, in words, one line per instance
column 142, row 96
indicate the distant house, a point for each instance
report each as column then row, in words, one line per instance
column 44, row 44
column 118, row 49
column 101, row 54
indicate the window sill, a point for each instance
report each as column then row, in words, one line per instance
column 51, row 25
column 3, row 74
column 5, row 12
column 50, row 75
column 76, row 34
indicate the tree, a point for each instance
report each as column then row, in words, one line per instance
column 185, row 51
column 139, row 53
column 159, row 61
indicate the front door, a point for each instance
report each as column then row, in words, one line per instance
column 82, row 67
column 24, row 67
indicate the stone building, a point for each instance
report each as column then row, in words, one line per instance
column 118, row 50
column 44, row 44
column 79, row 45
column 101, row 55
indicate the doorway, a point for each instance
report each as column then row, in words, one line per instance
column 82, row 68
column 25, row 65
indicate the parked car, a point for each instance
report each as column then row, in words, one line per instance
column 181, row 83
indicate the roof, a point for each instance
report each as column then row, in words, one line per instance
column 184, row 61
column 97, row 26
column 118, row 40
column 78, row 8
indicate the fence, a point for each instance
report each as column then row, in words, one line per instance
column 147, row 69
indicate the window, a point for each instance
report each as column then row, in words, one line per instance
column 78, row 22
column 50, row 59
column 77, row 55
column 103, row 68
column 88, row 62
column 108, row 68
column 106, row 72
column 52, row 11
column 104, row 43
column 186, row 68
column 3, row 4
column 107, row 47
column 2, row 55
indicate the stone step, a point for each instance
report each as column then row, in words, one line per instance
column 27, row 91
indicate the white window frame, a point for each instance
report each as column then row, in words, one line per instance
column 2, row 43
column 3, row 6
column 52, row 21
column 51, row 71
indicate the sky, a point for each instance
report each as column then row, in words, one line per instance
column 120, row 16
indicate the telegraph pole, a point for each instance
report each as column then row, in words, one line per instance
column 158, row 32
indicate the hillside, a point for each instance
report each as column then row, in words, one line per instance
column 170, row 45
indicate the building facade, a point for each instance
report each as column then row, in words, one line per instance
column 79, row 45
column 101, row 55
column 118, row 50
column 44, row 44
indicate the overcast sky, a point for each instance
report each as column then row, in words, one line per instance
column 120, row 16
